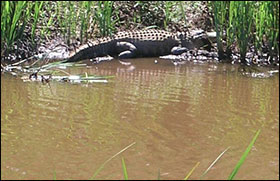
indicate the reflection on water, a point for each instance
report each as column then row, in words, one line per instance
column 177, row 115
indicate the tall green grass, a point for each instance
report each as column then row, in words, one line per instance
column 167, row 12
column 220, row 9
column 76, row 18
column 37, row 8
column 13, row 21
column 242, row 13
column 69, row 18
column 182, row 11
column 85, row 15
column 267, row 26
column 246, row 23
column 103, row 15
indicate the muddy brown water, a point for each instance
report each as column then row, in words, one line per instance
column 176, row 115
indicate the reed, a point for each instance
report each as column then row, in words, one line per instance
column 245, row 154
column 189, row 174
column 158, row 176
column 60, row 19
column 102, row 166
column 70, row 19
column 214, row 162
column 222, row 27
column 231, row 176
column 182, row 11
column 12, row 21
column 103, row 15
column 54, row 175
column 45, row 30
column 267, row 26
column 85, row 19
column 124, row 170
column 243, row 21
column 37, row 7
column 167, row 12
column 246, row 23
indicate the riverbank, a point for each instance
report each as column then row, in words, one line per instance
column 34, row 28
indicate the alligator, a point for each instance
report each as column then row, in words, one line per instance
column 143, row 43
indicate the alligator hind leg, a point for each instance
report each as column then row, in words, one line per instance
column 128, row 50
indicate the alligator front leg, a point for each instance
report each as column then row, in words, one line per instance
column 178, row 50
column 128, row 50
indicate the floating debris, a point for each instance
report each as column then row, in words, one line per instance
column 52, row 71
column 254, row 72
column 63, row 78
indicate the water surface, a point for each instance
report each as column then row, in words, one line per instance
column 177, row 115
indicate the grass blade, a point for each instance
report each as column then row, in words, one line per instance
column 189, row 174
column 124, row 170
column 213, row 163
column 238, row 165
column 54, row 175
column 158, row 174
column 102, row 166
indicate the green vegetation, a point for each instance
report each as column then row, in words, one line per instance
column 231, row 177
column 11, row 14
column 103, row 15
column 239, row 24
column 124, row 170
column 54, row 175
column 246, row 23
column 102, row 166
column 37, row 22
column 245, row 154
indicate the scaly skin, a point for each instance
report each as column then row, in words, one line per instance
column 144, row 43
